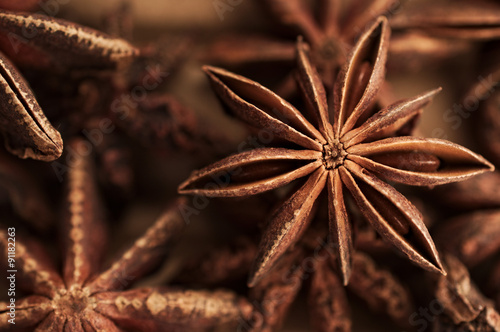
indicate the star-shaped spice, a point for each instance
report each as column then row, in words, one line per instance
column 84, row 299
column 328, row 26
column 310, row 264
column 40, row 41
column 350, row 155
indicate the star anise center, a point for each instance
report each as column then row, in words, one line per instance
column 72, row 302
column 328, row 52
column 333, row 154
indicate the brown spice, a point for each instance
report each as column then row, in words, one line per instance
column 476, row 236
column 465, row 308
column 341, row 156
column 82, row 298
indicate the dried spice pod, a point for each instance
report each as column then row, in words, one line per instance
column 476, row 236
column 428, row 33
column 327, row 299
column 47, row 42
column 480, row 192
column 162, row 121
column 159, row 60
column 82, row 297
column 309, row 264
column 221, row 264
column 462, row 19
column 164, row 309
column 464, row 308
column 381, row 290
column 349, row 155
column 27, row 132
column 413, row 50
column 84, row 111
column 277, row 292
column 328, row 28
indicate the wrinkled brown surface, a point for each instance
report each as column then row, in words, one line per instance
column 83, row 297
column 465, row 308
column 26, row 131
column 347, row 152
column 476, row 236
column 43, row 41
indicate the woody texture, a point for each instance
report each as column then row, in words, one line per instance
column 250, row 166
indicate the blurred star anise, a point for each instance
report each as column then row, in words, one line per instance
column 309, row 265
column 83, row 299
column 348, row 156
column 329, row 26
column 426, row 32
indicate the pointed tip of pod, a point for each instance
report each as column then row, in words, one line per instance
column 440, row 269
column 346, row 276
column 302, row 45
column 253, row 280
column 490, row 166
column 435, row 267
column 435, row 91
column 210, row 69
column 256, row 274
column 181, row 189
column 215, row 73
column 51, row 150
column 58, row 146
column 381, row 20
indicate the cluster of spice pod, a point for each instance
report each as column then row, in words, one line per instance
column 288, row 164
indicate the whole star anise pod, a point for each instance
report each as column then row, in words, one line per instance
column 83, row 299
column 350, row 155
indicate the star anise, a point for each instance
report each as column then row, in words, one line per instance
column 310, row 264
column 83, row 299
column 348, row 156
column 433, row 31
column 39, row 41
column 328, row 26
column 26, row 131
column 327, row 298
column 155, row 119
